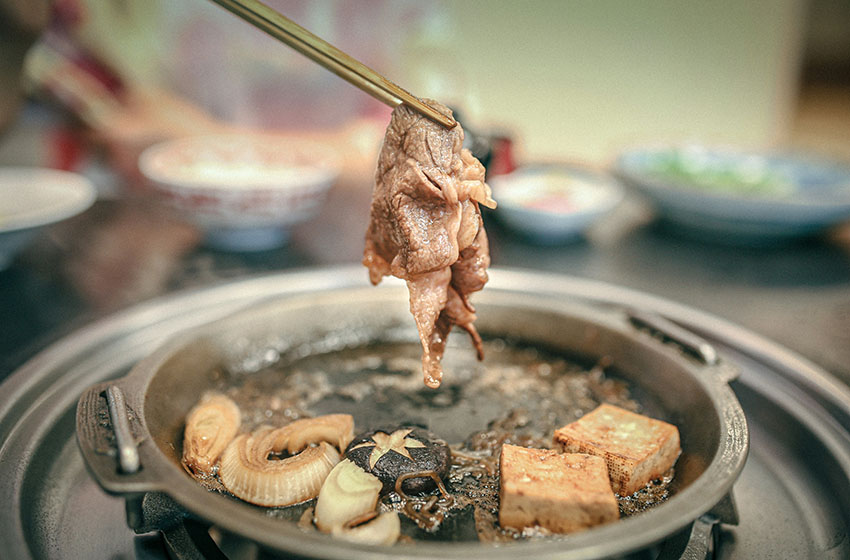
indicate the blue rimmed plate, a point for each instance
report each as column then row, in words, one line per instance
column 737, row 196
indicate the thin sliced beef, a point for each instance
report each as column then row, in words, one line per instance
column 426, row 228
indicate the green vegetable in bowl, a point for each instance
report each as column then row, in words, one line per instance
column 747, row 176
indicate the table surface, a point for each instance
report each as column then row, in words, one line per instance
column 127, row 250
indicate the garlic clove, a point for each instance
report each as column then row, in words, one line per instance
column 391, row 452
column 347, row 493
column 210, row 427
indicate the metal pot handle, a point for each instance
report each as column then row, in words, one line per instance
column 700, row 542
column 688, row 341
column 108, row 436
column 191, row 541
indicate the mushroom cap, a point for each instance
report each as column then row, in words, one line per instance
column 391, row 451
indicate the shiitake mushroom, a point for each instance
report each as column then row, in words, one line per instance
column 390, row 452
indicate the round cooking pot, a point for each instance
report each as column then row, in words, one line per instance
column 130, row 430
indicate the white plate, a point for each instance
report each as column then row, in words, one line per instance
column 31, row 198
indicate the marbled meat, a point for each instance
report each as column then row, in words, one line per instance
column 426, row 228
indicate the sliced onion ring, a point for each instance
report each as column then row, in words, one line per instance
column 249, row 473
column 348, row 497
column 336, row 429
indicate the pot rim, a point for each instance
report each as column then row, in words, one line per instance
column 626, row 535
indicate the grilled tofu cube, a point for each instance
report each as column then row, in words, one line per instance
column 564, row 493
column 636, row 448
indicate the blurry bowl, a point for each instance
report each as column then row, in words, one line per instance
column 553, row 203
column 32, row 198
column 739, row 197
column 245, row 191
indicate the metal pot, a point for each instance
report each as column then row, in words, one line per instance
column 130, row 430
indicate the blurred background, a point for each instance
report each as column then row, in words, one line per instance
column 155, row 153
column 567, row 79
column 88, row 86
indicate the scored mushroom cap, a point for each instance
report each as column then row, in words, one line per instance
column 391, row 452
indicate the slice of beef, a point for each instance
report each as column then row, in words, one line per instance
column 426, row 228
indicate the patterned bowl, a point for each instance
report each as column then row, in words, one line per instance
column 244, row 190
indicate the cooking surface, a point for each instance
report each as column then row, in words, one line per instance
column 792, row 497
column 518, row 395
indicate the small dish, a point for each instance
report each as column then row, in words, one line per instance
column 553, row 203
column 739, row 197
column 31, row 198
column 244, row 190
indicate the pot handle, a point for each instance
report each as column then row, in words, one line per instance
column 191, row 541
column 108, row 434
column 691, row 343
column 688, row 341
column 700, row 543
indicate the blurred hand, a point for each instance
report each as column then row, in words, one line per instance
column 122, row 117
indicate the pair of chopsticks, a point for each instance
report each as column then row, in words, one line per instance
column 261, row 16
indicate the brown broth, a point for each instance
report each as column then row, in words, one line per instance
column 518, row 395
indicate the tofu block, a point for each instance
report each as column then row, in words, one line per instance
column 636, row 448
column 564, row 493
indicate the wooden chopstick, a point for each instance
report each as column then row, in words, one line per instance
column 280, row 27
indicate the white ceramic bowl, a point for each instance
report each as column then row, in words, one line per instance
column 553, row 203
column 739, row 197
column 244, row 191
column 32, row 198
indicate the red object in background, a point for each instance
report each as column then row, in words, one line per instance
column 66, row 149
column 68, row 13
column 502, row 158
column 555, row 203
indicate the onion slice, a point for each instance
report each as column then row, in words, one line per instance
column 210, row 427
column 336, row 429
column 248, row 473
column 348, row 492
column 384, row 529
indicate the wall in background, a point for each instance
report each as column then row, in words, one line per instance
column 579, row 80
column 570, row 79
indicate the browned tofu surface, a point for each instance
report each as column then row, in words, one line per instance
column 636, row 448
column 563, row 493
